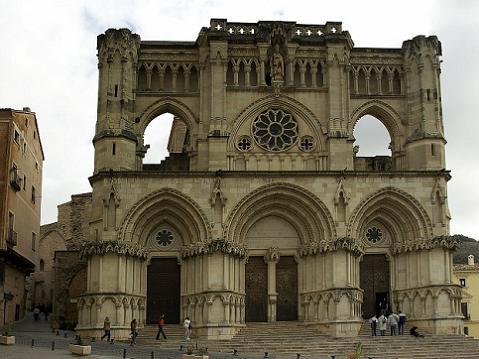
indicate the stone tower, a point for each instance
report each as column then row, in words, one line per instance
column 263, row 211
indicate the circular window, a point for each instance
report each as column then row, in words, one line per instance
column 374, row 234
column 275, row 130
column 306, row 144
column 244, row 143
column 164, row 237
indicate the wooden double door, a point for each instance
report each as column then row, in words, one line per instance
column 163, row 290
column 374, row 281
column 256, row 285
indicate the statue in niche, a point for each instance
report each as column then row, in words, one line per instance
column 277, row 65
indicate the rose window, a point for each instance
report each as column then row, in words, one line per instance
column 275, row 130
column 306, row 144
column 374, row 234
column 164, row 237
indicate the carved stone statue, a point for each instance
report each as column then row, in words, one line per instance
column 277, row 65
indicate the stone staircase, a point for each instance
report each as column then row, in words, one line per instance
column 286, row 339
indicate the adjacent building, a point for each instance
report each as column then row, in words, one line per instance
column 21, row 161
column 467, row 276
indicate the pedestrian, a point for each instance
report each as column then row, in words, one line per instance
column 413, row 331
column 402, row 322
column 161, row 323
column 382, row 324
column 106, row 328
column 393, row 323
column 374, row 322
column 134, row 332
column 383, row 306
column 187, row 327
column 36, row 313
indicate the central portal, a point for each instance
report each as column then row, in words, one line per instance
column 163, row 294
column 374, row 278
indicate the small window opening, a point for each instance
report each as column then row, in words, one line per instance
column 428, row 94
column 113, row 150
column 16, row 137
column 433, row 149
column 24, row 182
column 24, row 147
column 462, row 282
column 34, row 134
column 42, row 265
column 34, row 240
column 116, row 90
column 33, row 194
column 26, row 121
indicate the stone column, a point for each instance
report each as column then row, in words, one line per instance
column 272, row 258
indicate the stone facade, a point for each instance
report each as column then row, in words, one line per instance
column 21, row 162
column 268, row 171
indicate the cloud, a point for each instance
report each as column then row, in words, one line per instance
column 48, row 62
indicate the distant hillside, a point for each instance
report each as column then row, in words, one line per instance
column 468, row 246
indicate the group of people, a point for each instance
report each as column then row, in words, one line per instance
column 42, row 308
column 396, row 322
column 134, row 329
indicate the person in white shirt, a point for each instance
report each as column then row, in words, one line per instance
column 187, row 326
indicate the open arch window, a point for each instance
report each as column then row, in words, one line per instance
column 372, row 146
column 42, row 265
column 165, row 143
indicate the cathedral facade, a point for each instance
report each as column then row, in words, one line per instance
column 264, row 211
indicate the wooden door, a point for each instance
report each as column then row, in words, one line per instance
column 374, row 280
column 163, row 290
column 287, row 288
column 256, row 278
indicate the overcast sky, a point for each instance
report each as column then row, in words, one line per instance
column 48, row 62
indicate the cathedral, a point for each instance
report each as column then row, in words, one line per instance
column 264, row 211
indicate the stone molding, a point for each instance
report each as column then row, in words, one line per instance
column 344, row 243
column 444, row 241
column 215, row 246
column 121, row 40
column 91, row 248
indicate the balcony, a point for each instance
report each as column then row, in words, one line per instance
column 15, row 179
column 12, row 238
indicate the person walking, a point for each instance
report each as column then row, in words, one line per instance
column 187, row 327
column 382, row 324
column 161, row 323
column 106, row 328
column 374, row 322
column 383, row 307
column 134, row 332
column 393, row 323
column 402, row 322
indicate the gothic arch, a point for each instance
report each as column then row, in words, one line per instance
column 405, row 216
column 287, row 103
column 385, row 113
column 301, row 208
column 165, row 204
column 163, row 105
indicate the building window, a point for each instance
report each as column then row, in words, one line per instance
column 462, row 282
column 24, row 182
column 464, row 311
column 24, row 147
column 26, row 121
column 113, row 150
column 34, row 134
column 16, row 137
column 42, row 265
column 34, row 241
column 466, row 330
column 33, row 194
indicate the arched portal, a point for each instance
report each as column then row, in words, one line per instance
column 274, row 221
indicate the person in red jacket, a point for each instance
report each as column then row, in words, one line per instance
column 161, row 323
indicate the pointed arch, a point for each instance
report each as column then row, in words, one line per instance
column 296, row 108
column 398, row 210
column 302, row 209
column 164, row 105
column 165, row 205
